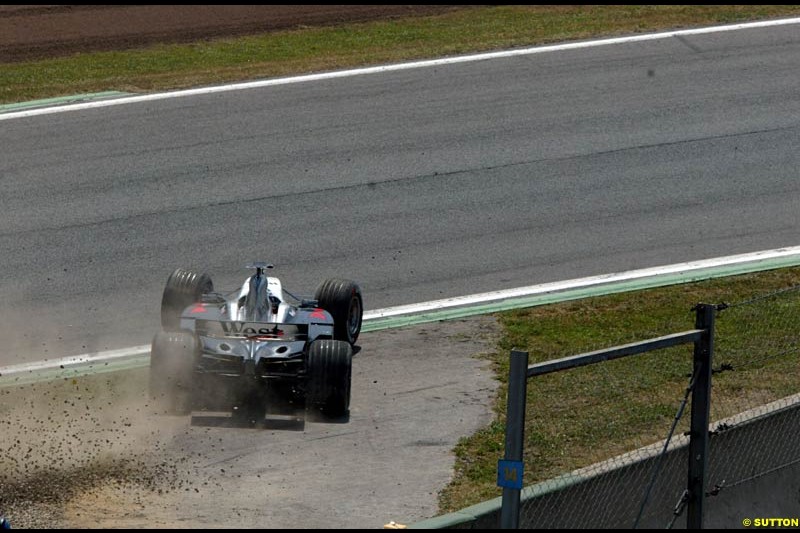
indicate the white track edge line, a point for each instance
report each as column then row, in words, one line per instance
column 435, row 305
column 94, row 357
column 580, row 283
column 396, row 67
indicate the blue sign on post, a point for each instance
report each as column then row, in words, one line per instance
column 509, row 474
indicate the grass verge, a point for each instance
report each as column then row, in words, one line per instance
column 319, row 49
column 579, row 417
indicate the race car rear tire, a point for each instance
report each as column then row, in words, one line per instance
column 329, row 366
column 342, row 299
column 173, row 356
column 183, row 288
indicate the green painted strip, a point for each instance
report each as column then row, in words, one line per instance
column 583, row 292
column 463, row 519
column 74, row 371
column 663, row 280
column 61, row 100
column 491, row 508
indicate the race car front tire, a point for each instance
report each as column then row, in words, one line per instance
column 329, row 366
column 173, row 356
column 342, row 299
column 182, row 289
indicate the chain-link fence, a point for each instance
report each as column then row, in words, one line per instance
column 620, row 428
column 755, row 403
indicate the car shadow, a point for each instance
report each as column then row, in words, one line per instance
column 319, row 417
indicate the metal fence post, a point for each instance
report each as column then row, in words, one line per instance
column 701, row 405
column 510, row 471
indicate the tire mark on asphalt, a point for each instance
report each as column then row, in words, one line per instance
column 407, row 179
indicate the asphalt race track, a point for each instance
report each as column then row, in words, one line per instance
column 419, row 184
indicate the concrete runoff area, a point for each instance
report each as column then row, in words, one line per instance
column 89, row 452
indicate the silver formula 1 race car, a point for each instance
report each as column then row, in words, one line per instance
column 257, row 345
